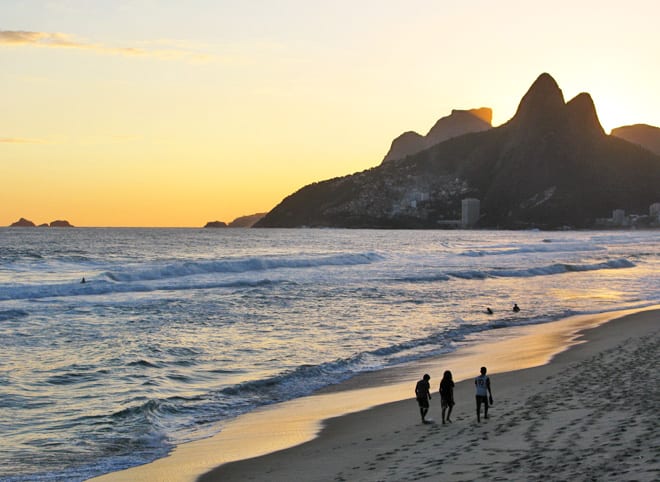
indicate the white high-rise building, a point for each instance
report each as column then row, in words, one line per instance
column 618, row 217
column 654, row 211
column 470, row 212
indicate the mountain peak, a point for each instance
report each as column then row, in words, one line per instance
column 582, row 113
column 542, row 104
column 545, row 83
column 410, row 142
column 458, row 123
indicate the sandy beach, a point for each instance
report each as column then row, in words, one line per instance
column 583, row 413
column 590, row 414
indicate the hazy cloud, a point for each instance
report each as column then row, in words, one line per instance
column 19, row 140
column 23, row 38
column 39, row 39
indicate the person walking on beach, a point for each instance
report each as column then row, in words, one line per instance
column 484, row 395
column 446, row 395
column 423, row 394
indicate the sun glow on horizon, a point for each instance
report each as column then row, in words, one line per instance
column 218, row 111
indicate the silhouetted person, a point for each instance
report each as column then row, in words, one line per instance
column 489, row 311
column 447, row 395
column 423, row 394
column 516, row 309
column 83, row 280
column 484, row 395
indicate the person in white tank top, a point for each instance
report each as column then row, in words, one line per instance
column 483, row 395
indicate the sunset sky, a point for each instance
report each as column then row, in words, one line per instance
column 173, row 113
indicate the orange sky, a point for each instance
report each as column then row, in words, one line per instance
column 168, row 113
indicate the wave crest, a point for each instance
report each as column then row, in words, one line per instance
column 241, row 265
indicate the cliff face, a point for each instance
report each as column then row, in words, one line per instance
column 460, row 122
column 642, row 134
column 551, row 165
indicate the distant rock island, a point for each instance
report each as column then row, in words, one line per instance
column 60, row 224
column 643, row 134
column 26, row 223
column 23, row 223
column 215, row 224
column 551, row 166
column 240, row 222
column 458, row 123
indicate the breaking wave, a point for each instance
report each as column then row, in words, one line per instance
column 548, row 270
column 178, row 270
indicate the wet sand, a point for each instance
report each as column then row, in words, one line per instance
column 589, row 414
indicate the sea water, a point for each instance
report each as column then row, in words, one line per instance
column 176, row 331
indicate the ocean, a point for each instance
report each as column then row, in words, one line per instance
column 176, row 331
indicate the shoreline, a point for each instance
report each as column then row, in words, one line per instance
column 359, row 412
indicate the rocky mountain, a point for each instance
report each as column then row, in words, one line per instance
column 551, row 165
column 458, row 123
column 643, row 134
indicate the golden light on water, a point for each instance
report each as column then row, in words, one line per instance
column 602, row 294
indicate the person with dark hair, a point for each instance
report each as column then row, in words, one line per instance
column 484, row 395
column 447, row 395
column 423, row 395
column 516, row 308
